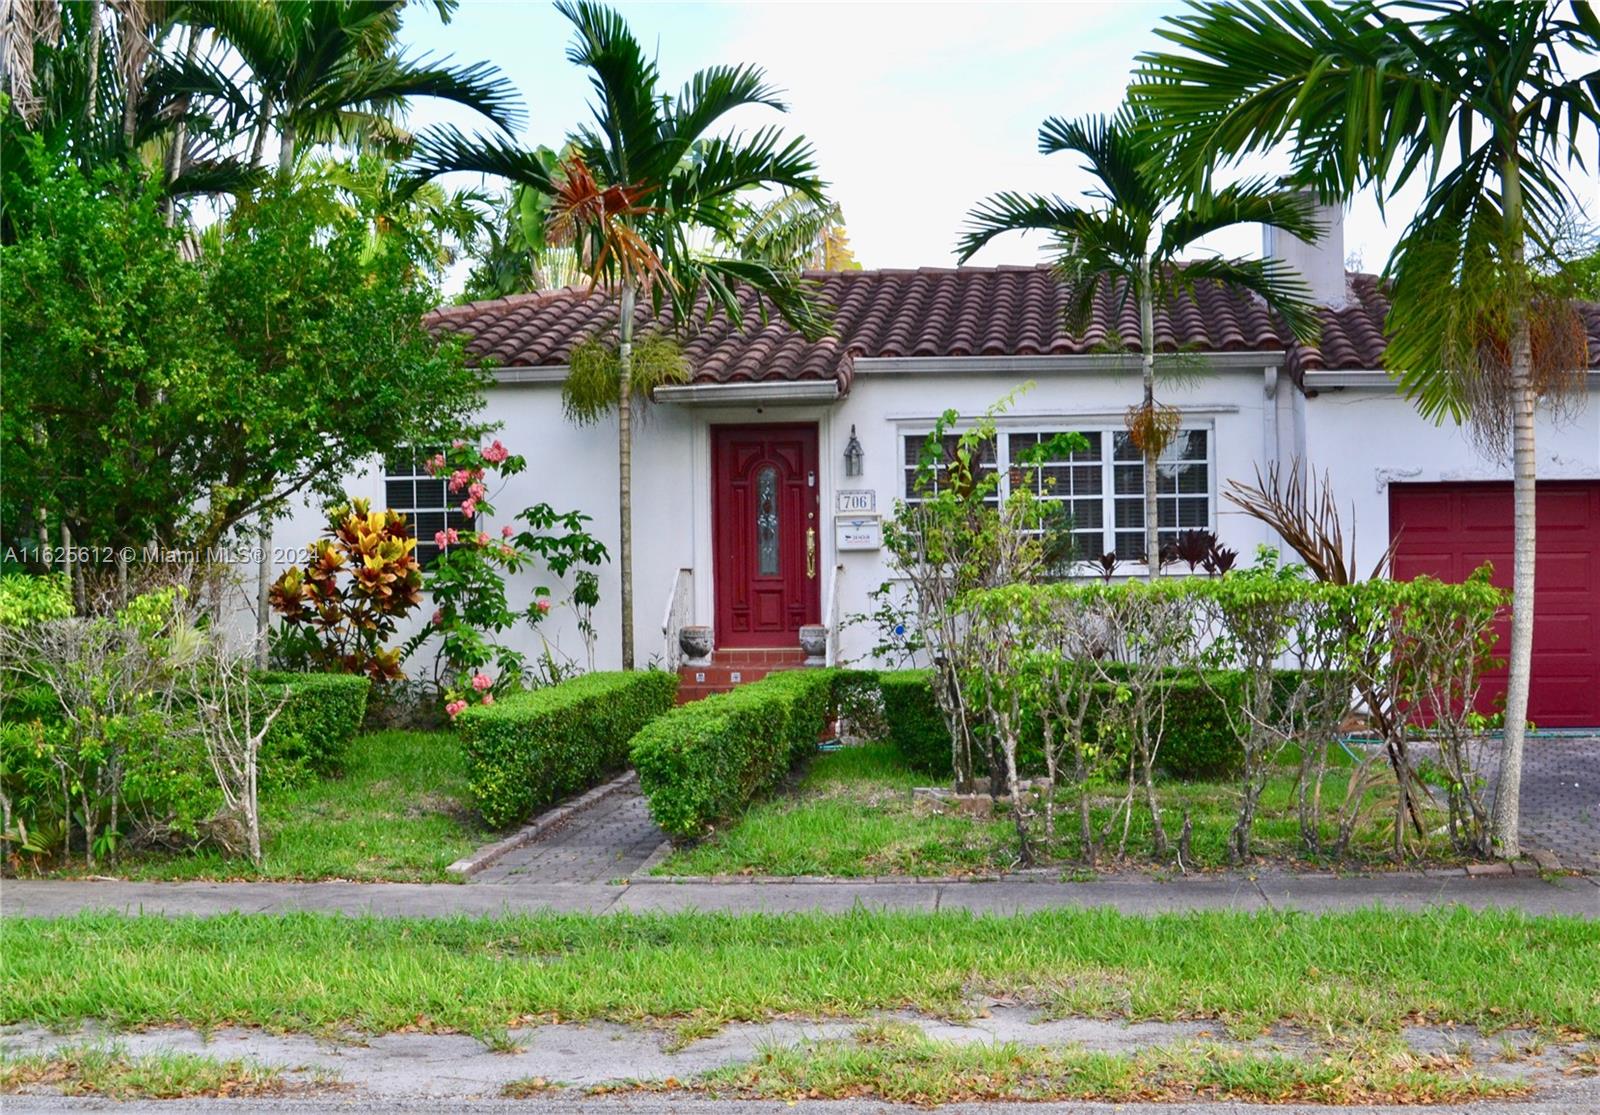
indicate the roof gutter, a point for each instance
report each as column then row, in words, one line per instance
column 1055, row 362
column 545, row 373
column 768, row 392
column 1327, row 380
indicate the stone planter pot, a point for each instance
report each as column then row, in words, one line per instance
column 814, row 640
column 695, row 641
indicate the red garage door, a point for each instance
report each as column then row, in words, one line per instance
column 1448, row 530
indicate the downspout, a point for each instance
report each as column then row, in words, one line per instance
column 1269, row 415
column 1269, row 434
column 1297, row 409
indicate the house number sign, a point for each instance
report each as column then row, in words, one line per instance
column 857, row 502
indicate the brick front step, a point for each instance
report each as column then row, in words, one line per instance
column 729, row 668
column 758, row 656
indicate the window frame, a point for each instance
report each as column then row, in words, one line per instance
column 427, row 551
column 1108, row 496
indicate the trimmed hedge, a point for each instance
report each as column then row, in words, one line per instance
column 915, row 727
column 313, row 732
column 1196, row 742
column 707, row 760
column 536, row 747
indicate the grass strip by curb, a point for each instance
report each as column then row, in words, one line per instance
column 93, row 1070
column 1373, row 969
column 899, row 1064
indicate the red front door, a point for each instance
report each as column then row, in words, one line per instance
column 765, row 524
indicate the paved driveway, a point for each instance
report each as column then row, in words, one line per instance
column 1561, row 799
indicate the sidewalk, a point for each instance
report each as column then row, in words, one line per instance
column 1577, row 896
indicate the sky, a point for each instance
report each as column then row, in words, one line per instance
column 917, row 111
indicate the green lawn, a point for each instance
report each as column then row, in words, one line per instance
column 852, row 814
column 899, row 1064
column 1344, row 974
column 399, row 814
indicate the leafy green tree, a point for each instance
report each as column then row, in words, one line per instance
column 1487, row 106
column 1126, row 247
column 431, row 225
column 639, row 194
column 339, row 365
column 153, row 397
column 113, row 356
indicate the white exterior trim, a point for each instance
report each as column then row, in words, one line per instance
column 1316, row 380
column 766, row 391
column 1029, row 365
column 547, row 373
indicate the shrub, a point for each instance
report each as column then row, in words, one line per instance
column 313, row 732
column 26, row 600
column 362, row 581
column 707, row 760
column 916, row 727
column 538, row 746
column 1197, row 741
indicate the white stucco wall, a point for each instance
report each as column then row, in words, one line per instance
column 1367, row 438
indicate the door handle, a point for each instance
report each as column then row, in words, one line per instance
column 811, row 553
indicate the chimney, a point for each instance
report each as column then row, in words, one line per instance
column 1321, row 264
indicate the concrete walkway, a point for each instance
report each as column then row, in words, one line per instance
column 610, row 839
column 1577, row 896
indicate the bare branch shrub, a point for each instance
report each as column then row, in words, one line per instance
column 232, row 715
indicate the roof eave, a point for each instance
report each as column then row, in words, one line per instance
column 772, row 392
column 1253, row 360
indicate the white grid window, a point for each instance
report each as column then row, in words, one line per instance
column 425, row 500
column 1183, row 490
column 919, row 485
column 1101, row 488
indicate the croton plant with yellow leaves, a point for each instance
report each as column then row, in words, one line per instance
column 343, row 607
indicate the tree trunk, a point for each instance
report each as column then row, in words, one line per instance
column 1508, row 789
column 96, row 35
column 285, row 151
column 180, row 135
column 259, row 142
column 263, row 588
column 1147, row 367
column 625, row 467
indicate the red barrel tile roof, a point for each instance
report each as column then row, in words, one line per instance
column 946, row 312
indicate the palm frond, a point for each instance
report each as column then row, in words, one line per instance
column 786, row 232
column 1117, row 155
column 1275, row 282
column 625, row 83
column 1251, row 202
column 444, row 148
column 725, row 166
column 1063, row 222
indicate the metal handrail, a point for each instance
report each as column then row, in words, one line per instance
column 831, row 615
column 680, row 603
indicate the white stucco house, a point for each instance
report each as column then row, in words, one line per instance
column 748, row 519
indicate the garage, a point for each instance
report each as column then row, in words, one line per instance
column 1448, row 530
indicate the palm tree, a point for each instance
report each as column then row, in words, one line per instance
column 97, row 84
column 1128, row 246
column 1475, row 101
column 646, row 194
column 324, row 71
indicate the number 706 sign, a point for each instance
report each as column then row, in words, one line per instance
column 855, row 502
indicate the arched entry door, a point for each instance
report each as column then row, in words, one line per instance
column 766, row 533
